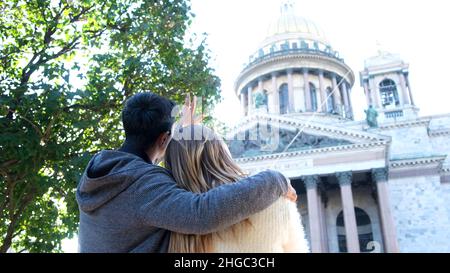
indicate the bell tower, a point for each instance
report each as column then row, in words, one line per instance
column 385, row 80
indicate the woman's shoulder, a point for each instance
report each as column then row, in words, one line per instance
column 266, row 232
column 282, row 205
column 276, row 213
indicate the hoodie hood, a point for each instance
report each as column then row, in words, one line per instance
column 108, row 174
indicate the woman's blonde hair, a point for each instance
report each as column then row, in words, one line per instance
column 199, row 161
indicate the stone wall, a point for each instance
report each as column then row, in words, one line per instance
column 441, row 145
column 409, row 142
column 445, row 187
column 420, row 214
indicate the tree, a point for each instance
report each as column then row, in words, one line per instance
column 66, row 68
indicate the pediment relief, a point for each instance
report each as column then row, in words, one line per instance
column 268, row 139
column 308, row 126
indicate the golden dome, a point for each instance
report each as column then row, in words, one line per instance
column 290, row 25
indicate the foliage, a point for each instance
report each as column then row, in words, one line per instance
column 66, row 68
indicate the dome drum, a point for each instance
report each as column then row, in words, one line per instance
column 292, row 47
column 296, row 91
column 295, row 70
column 296, row 61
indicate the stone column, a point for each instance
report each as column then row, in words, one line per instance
column 323, row 224
column 350, row 101
column 336, row 94
column 405, row 94
column 313, row 212
column 276, row 95
column 375, row 94
column 380, row 177
column 346, row 99
column 290, row 91
column 323, row 95
column 351, row 229
column 250, row 99
column 409, row 89
column 307, row 91
column 242, row 98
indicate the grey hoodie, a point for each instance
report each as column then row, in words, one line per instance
column 129, row 205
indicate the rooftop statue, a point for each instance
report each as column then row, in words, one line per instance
column 371, row 117
column 260, row 100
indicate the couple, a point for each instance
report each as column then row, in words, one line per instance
column 200, row 202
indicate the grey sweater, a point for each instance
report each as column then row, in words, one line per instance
column 129, row 205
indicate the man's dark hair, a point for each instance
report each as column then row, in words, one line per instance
column 146, row 116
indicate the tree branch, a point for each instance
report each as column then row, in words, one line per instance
column 67, row 48
column 32, row 67
column 17, row 233
column 47, row 132
column 14, row 219
column 82, row 12
column 8, row 163
column 35, row 127
column 50, row 31
column 95, row 33
column 3, row 207
column 46, row 41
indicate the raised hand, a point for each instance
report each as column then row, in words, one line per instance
column 188, row 116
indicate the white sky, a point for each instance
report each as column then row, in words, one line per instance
column 417, row 30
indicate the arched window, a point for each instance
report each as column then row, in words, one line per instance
column 364, row 226
column 388, row 93
column 284, row 98
column 312, row 90
column 330, row 101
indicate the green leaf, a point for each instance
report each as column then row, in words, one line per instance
column 123, row 47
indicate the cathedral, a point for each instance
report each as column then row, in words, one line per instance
column 376, row 185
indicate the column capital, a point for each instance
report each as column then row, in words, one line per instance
column 344, row 178
column 380, row 174
column 305, row 70
column 321, row 72
column 274, row 74
column 290, row 70
column 311, row 181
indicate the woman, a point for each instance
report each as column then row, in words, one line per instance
column 200, row 161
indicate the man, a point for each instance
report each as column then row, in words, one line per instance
column 129, row 204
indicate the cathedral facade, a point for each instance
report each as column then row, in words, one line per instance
column 377, row 185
